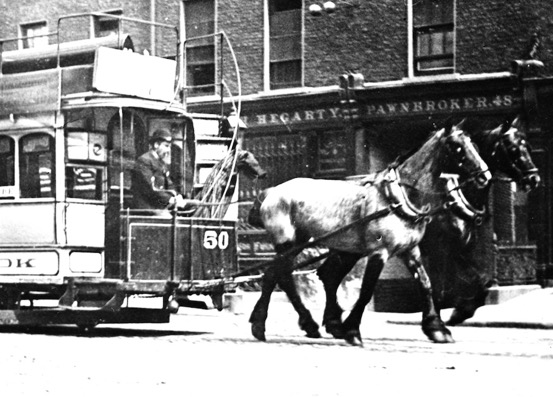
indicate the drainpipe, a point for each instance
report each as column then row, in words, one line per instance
column 153, row 28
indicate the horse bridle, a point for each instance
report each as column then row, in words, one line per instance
column 509, row 149
column 472, row 175
column 458, row 203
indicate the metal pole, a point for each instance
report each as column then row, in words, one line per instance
column 182, row 53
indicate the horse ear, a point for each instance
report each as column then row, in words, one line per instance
column 460, row 125
column 448, row 126
column 517, row 123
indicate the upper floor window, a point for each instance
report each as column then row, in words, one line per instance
column 36, row 166
column 285, row 52
column 33, row 34
column 200, row 52
column 433, row 33
column 104, row 25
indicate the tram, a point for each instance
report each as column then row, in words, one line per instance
column 74, row 116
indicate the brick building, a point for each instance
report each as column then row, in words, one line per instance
column 411, row 64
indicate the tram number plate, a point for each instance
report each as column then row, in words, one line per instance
column 216, row 239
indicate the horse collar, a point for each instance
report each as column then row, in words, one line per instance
column 398, row 199
column 458, row 203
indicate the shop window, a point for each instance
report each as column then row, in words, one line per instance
column 331, row 153
column 285, row 53
column 36, row 166
column 7, row 180
column 511, row 215
column 200, row 52
column 104, row 25
column 433, row 33
column 35, row 35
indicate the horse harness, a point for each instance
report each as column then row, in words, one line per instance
column 391, row 188
column 458, row 203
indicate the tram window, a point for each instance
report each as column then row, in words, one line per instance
column 6, row 165
column 36, row 166
column 83, row 182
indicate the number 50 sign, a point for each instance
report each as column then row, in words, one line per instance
column 214, row 239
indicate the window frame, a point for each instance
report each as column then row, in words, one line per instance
column 100, row 189
column 195, row 69
column 275, row 66
column 96, row 21
column 33, row 40
column 19, row 168
column 7, row 191
column 415, row 59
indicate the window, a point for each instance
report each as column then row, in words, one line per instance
column 7, row 181
column 36, row 166
column 83, row 182
column 285, row 17
column 433, row 36
column 200, row 53
column 126, row 149
column 34, row 33
column 105, row 26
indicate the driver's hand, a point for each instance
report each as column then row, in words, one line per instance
column 179, row 201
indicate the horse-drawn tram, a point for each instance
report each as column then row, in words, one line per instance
column 75, row 247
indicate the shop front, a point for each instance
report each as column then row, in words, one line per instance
column 340, row 133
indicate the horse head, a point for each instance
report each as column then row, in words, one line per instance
column 248, row 164
column 510, row 154
column 463, row 157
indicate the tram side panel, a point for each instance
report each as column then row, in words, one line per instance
column 190, row 251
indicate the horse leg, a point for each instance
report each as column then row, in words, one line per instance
column 281, row 273
column 472, row 292
column 432, row 324
column 331, row 273
column 286, row 282
column 260, row 311
column 351, row 325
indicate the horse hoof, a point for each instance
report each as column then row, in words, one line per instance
column 313, row 334
column 440, row 337
column 354, row 339
column 258, row 331
column 311, row 329
column 336, row 331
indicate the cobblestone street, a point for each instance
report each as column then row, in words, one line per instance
column 212, row 353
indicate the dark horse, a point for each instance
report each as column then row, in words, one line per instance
column 448, row 246
column 302, row 208
column 453, row 259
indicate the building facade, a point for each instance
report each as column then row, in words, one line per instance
column 336, row 89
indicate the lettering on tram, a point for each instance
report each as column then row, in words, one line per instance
column 6, row 262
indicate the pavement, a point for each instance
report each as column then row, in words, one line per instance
column 526, row 307
column 532, row 310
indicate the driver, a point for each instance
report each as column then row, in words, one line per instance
column 152, row 185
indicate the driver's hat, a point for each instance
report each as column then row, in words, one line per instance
column 161, row 135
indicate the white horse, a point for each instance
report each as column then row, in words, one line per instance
column 408, row 192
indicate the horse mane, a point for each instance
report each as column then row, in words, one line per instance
column 400, row 159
